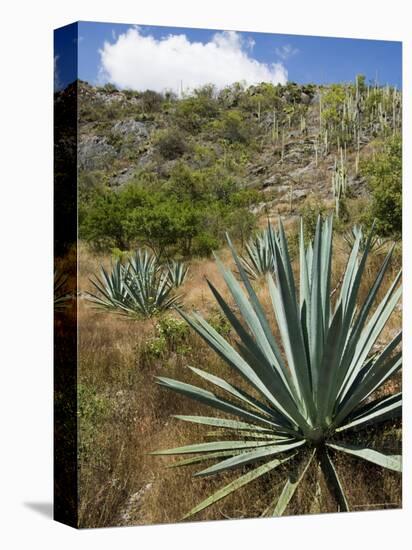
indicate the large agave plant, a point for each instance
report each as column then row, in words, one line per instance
column 312, row 393
column 139, row 288
column 258, row 259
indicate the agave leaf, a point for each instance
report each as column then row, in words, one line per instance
column 280, row 503
column 381, row 369
column 333, row 481
column 282, row 247
column 203, row 458
column 370, row 334
column 233, row 359
column 252, row 350
column 61, row 296
column 304, row 272
column 316, row 328
column 353, row 288
column 387, row 408
column 245, row 434
column 391, row 462
column 212, row 446
column 222, row 423
column 257, row 306
column 177, row 272
column 252, row 314
column 374, row 405
column 208, row 398
column 332, row 351
column 249, row 458
column 356, row 330
column 242, row 396
column 286, row 310
column 236, row 484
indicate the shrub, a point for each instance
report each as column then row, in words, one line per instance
column 233, row 127
column 204, row 244
column 151, row 101
column 170, row 336
column 93, row 409
column 109, row 88
column 316, row 403
column 171, row 144
column 311, row 210
column 194, row 111
column 384, row 177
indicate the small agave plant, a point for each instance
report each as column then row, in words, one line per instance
column 177, row 272
column 313, row 393
column 61, row 296
column 139, row 288
column 377, row 244
column 258, row 259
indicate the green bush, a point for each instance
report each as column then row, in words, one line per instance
column 204, row 244
column 384, row 177
column 234, row 127
column 311, row 210
column 151, row 101
column 171, row 143
column 92, row 409
column 194, row 111
column 170, row 336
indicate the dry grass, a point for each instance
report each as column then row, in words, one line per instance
column 126, row 415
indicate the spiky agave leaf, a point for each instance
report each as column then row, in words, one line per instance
column 112, row 292
column 61, row 296
column 144, row 262
column 149, row 293
column 258, row 259
column 310, row 391
column 177, row 272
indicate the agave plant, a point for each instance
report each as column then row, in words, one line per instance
column 177, row 272
column 138, row 288
column 259, row 259
column 377, row 244
column 313, row 393
column 61, row 296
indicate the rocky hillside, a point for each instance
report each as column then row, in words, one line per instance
column 285, row 143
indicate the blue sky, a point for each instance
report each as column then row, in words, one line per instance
column 169, row 57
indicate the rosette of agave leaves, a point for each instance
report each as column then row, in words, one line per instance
column 312, row 391
column 258, row 259
column 140, row 287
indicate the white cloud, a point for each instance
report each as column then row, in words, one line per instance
column 144, row 62
column 286, row 51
